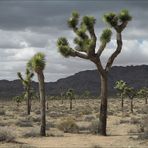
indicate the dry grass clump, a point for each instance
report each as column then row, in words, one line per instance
column 89, row 117
column 24, row 123
column 32, row 133
column 6, row 134
column 94, row 126
column 2, row 112
column 68, row 126
column 135, row 120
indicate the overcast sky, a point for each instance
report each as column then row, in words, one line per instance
column 29, row 26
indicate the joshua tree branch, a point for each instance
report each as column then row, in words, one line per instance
column 82, row 55
column 117, row 51
column 101, row 48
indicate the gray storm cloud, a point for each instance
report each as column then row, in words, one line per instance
column 27, row 27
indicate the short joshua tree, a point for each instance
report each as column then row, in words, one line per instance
column 86, row 49
column 143, row 92
column 27, row 87
column 37, row 64
column 131, row 93
column 70, row 96
column 120, row 87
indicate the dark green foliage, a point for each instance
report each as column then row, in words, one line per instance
column 89, row 21
column 120, row 86
column 115, row 20
column 73, row 21
column 130, row 92
column 124, row 16
column 63, row 46
column 37, row 62
column 106, row 36
column 111, row 19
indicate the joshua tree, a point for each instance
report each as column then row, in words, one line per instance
column 120, row 87
column 86, row 48
column 37, row 64
column 70, row 96
column 18, row 99
column 131, row 93
column 143, row 92
column 62, row 94
column 27, row 87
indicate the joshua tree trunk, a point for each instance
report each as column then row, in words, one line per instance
column 42, row 101
column 47, row 107
column 122, row 101
column 146, row 100
column 70, row 104
column 131, row 105
column 28, row 103
column 103, row 107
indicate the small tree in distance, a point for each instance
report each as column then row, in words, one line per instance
column 131, row 93
column 27, row 87
column 37, row 64
column 85, row 48
column 120, row 87
column 70, row 96
column 143, row 92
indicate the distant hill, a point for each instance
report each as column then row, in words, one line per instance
column 136, row 76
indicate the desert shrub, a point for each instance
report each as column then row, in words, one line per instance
column 50, row 124
column 88, row 117
column 32, row 133
column 135, row 120
column 55, row 133
column 24, row 123
column 68, row 126
column 136, row 129
column 94, row 126
column 144, row 125
column 84, row 126
column 37, row 112
column 122, row 121
column 26, row 146
column 6, row 134
column 2, row 112
column 145, row 109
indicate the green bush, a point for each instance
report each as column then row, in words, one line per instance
column 68, row 126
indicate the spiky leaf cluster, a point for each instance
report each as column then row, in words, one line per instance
column 106, row 36
column 63, row 47
column 37, row 62
column 115, row 20
column 74, row 19
column 124, row 16
column 89, row 21
column 111, row 18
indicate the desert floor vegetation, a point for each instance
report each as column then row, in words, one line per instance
column 74, row 128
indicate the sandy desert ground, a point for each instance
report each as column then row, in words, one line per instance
column 76, row 128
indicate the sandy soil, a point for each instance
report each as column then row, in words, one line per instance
column 118, row 133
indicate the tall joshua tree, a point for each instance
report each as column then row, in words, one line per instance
column 85, row 48
column 37, row 64
column 27, row 87
column 120, row 87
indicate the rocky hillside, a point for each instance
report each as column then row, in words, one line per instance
column 136, row 76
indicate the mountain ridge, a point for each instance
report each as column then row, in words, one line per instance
column 136, row 76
